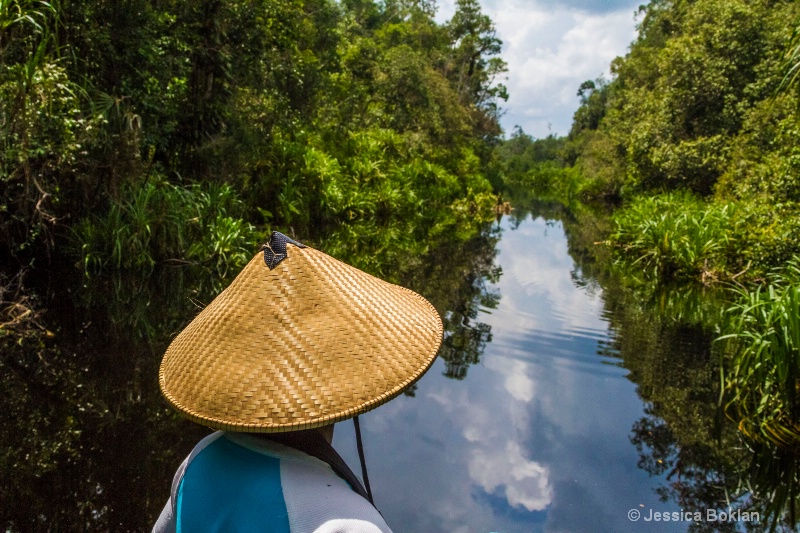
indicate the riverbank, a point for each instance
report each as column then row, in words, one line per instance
column 745, row 251
column 694, row 144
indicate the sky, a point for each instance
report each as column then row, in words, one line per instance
column 551, row 47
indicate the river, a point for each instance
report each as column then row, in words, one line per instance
column 538, row 435
column 562, row 401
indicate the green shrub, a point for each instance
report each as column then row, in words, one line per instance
column 674, row 235
column 158, row 222
column 766, row 234
column 764, row 346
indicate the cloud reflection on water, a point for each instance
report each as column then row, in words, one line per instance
column 536, row 437
column 523, row 482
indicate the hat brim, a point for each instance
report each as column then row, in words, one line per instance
column 311, row 342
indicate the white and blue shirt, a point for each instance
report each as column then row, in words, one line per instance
column 239, row 483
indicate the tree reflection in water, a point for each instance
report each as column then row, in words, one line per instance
column 665, row 337
column 88, row 441
column 89, row 444
column 455, row 280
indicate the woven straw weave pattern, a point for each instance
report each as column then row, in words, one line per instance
column 311, row 342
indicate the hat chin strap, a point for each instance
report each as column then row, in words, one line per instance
column 361, row 458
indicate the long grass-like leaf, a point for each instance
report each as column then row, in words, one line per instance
column 764, row 370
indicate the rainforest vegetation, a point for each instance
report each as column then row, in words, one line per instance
column 694, row 141
column 133, row 133
column 138, row 135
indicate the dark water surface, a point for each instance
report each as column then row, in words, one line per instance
column 560, row 402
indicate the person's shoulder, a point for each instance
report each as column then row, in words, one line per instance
column 319, row 500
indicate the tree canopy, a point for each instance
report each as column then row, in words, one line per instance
column 312, row 111
column 695, row 104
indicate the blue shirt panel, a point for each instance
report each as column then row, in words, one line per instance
column 228, row 488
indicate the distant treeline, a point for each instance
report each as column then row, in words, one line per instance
column 133, row 132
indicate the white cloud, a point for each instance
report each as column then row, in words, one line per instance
column 551, row 48
column 549, row 54
column 524, row 483
column 542, row 277
column 517, row 382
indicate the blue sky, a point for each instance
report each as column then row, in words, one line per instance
column 551, row 47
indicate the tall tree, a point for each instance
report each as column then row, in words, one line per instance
column 473, row 65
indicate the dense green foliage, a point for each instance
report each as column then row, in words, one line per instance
column 140, row 126
column 693, row 105
column 538, row 166
column 674, row 235
column 766, row 345
column 158, row 220
column 698, row 103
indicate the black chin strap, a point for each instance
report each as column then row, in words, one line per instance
column 363, row 461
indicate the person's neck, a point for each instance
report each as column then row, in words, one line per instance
column 292, row 437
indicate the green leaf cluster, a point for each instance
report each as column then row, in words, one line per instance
column 764, row 345
column 674, row 235
column 162, row 222
column 692, row 105
column 116, row 116
column 539, row 167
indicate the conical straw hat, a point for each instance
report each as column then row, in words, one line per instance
column 297, row 341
